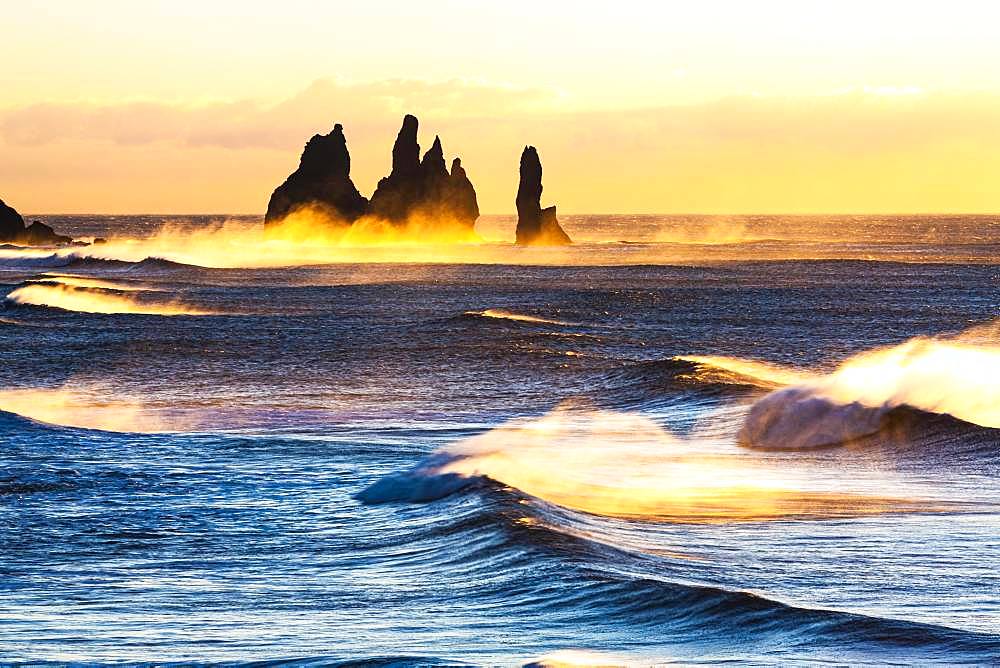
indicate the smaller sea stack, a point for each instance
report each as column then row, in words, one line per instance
column 535, row 226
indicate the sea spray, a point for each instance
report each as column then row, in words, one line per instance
column 625, row 465
column 957, row 376
column 88, row 408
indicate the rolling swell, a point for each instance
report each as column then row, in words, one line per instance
column 920, row 436
column 625, row 465
column 696, row 611
column 665, row 383
column 509, row 549
column 81, row 259
column 504, row 314
column 149, row 264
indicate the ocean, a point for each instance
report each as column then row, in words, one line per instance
column 685, row 439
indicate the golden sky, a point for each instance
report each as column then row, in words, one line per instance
column 715, row 107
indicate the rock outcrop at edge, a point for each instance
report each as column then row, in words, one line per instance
column 11, row 223
column 535, row 226
column 322, row 181
column 13, row 231
column 40, row 234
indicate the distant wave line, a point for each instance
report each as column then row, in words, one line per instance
column 503, row 314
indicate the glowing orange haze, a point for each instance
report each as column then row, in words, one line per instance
column 859, row 152
column 776, row 106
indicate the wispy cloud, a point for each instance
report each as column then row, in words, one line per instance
column 249, row 124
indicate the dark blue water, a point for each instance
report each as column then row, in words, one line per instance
column 198, row 488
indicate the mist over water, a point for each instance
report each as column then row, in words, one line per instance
column 241, row 242
column 692, row 446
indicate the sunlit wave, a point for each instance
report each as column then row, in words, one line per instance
column 503, row 314
column 946, row 376
column 90, row 300
column 757, row 373
column 625, row 465
column 87, row 410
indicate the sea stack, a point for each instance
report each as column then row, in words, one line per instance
column 424, row 188
column 396, row 194
column 415, row 188
column 13, row 231
column 321, row 182
column 535, row 226
column 460, row 196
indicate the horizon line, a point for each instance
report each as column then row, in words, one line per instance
column 562, row 215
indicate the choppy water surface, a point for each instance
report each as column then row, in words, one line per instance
column 755, row 445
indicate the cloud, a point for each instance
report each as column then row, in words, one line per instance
column 249, row 124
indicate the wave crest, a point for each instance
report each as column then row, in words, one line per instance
column 503, row 314
column 943, row 376
column 96, row 300
column 719, row 368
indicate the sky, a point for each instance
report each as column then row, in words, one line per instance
column 636, row 107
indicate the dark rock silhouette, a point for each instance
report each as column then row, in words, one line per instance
column 397, row 194
column 12, row 230
column 460, row 195
column 40, row 234
column 535, row 225
column 414, row 187
column 11, row 223
column 424, row 188
column 322, row 181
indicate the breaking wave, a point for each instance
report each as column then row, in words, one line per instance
column 718, row 368
column 957, row 377
column 625, row 465
column 96, row 300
